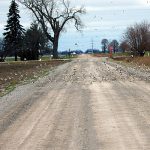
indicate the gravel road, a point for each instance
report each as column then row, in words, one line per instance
column 87, row 104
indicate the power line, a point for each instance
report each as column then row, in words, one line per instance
column 92, row 44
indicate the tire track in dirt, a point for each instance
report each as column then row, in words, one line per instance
column 86, row 104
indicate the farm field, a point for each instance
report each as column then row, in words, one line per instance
column 13, row 73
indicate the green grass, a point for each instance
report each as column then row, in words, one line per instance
column 45, row 58
column 129, row 54
column 122, row 54
column 68, row 57
column 9, row 59
column 147, row 54
column 9, row 88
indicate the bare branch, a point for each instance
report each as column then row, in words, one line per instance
column 137, row 37
column 56, row 13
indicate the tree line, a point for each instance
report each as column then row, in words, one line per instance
column 51, row 18
column 135, row 40
column 20, row 42
column 106, row 45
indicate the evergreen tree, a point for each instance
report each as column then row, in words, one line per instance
column 1, row 49
column 14, row 31
column 34, row 41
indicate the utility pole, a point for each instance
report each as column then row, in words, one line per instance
column 92, row 45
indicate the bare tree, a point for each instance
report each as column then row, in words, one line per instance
column 137, row 38
column 124, row 46
column 104, row 45
column 53, row 15
column 115, row 45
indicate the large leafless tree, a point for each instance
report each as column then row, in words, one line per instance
column 138, row 38
column 53, row 15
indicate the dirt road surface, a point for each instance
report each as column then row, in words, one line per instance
column 86, row 104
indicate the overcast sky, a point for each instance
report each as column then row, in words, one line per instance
column 104, row 19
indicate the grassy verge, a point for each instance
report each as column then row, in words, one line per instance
column 68, row 57
column 9, row 88
column 101, row 55
column 140, row 61
column 147, row 54
column 126, row 54
column 126, row 58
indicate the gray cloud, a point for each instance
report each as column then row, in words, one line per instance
column 104, row 19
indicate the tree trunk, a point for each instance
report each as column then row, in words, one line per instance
column 114, row 49
column 104, row 48
column 16, row 56
column 55, row 46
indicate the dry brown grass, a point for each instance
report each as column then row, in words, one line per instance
column 17, row 72
column 136, row 60
column 102, row 55
column 142, row 61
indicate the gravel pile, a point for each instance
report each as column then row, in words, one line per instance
column 137, row 72
column 103, row 71
column 85, row 71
